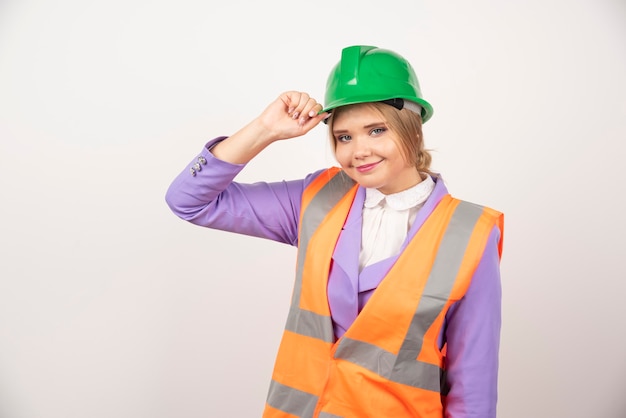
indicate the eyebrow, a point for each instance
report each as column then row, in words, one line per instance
column 369, row 125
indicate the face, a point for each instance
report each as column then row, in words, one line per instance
column 369, row 153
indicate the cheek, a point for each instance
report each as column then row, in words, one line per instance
column 395, row 151
column 342, row 156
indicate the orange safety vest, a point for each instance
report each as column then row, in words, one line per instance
column 388, row 363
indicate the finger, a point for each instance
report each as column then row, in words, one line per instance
column 310, row 110
column 291, row 99
column 311, row 122
column 303, row 99
column 315, row 110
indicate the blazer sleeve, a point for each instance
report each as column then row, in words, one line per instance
column 205, row 194
column 473, row 341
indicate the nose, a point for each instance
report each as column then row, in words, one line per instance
column 361, row 149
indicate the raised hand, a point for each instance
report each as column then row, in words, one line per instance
column 291, row 115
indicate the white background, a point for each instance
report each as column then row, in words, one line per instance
column 110, row 306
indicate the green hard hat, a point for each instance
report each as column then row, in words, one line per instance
column 371, row 74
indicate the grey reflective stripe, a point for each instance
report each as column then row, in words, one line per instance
column 291, row 401
column 310, row 324
column 442, row 277
column 405, row 368
column 327, row 415
column 301, row 321
column 375, row 359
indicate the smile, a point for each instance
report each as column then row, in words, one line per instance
column 367, row 167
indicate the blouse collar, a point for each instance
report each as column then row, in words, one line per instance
column 403, row 200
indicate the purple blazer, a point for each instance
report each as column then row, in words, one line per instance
column 205, row 194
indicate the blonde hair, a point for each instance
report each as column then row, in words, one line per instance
column 406, row 124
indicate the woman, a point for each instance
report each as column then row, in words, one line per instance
column 396, row 302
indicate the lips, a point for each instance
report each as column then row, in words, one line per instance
column 367, row 167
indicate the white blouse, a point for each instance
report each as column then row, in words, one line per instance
column 388, row 218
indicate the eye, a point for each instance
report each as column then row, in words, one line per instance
column 377, row 131
column 343, row 138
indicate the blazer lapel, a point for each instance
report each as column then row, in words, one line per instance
column 346, row 254
column 344, row 273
